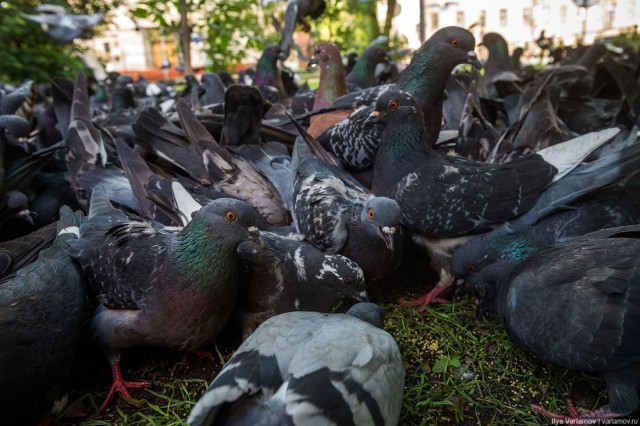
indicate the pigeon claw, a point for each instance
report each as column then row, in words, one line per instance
column 599, row 414
column 120, row 386
column 425, row 300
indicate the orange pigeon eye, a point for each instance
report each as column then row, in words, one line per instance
column 346, row 282
column 455, row 43
column 371, row 214
column 392, row 105
column 230, row 216
column 471, row 268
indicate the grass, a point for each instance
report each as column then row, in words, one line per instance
column 459, row 370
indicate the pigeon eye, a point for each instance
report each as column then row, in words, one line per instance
column 346, row 282
column 230, row 216
column 393, row 105
column 371, row 214
column 455, row 43
column 471, row 268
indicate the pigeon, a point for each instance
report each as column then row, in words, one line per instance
column 338, row 215
column 576, row 304
column 302, row 368
column 230, row 172
column 594, row 196
column 424, row 78
column 499, row 74
column 61, row 25
column 296, row 12
column 160, row 286
column 42, row 309
column 244, row 108
column 362, row 76
column 268, row 79
column 443, row 197
column 292, row 275
column 331, row 85
column 15, row 254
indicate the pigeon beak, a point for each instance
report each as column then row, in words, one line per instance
column 460, row 287
column 254, row 236
column 362, row 296
column 372, row 118
column 313, row 62
column 27, row 216
column 472, row 59
column 387, row 233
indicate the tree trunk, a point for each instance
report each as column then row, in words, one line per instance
column 391, row 7
column 186, row 36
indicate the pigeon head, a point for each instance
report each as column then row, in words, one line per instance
column 368, row 312
column 343, row 276
column 486, row 285
column 375, row 55
column 394, row 106
column 446, row 48
column 382, row 215
column 325, row 54
column 230, row 220
column 273, row 53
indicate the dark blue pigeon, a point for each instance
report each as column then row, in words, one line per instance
column 302, row 368
column 292, row 275
column 576, row 305
column 42, row 310
column 596, row 195
column 161, row 286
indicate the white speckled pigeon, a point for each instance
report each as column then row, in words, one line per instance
column 42, row 309
column 162, row 287
column 292, row 275
column 338, row 215
column 577, row 305
column 303, row 368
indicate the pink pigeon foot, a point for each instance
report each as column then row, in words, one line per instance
column 599, row 414
column 120, row 386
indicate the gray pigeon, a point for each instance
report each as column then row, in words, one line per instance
column 42, row 309
column 303, row 368
column 159, row 286
column 577, row 305
column 292, row 275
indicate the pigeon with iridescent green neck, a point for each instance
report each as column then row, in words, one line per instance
column 159, row 286
column 268, row 78
column 363, row 74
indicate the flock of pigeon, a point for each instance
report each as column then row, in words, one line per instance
column 154, row 220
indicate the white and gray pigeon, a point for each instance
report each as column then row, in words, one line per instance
column 337, row 214
column 157, row 286
column 305, row 368
column 292, row 275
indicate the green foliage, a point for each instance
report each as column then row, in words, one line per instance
column 229, row 27
column 444, row 362
column 27, row 52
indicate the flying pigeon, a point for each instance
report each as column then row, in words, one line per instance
column 61, row 25
column 302, row 368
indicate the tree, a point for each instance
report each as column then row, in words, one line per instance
column 229, row 27
column 28, row 53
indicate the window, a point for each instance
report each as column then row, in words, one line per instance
column 435, row 24
column 563, row 14
column 504, row 20
column 460, row 18
column 482, row 20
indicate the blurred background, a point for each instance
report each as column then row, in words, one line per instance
column 150, row 37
